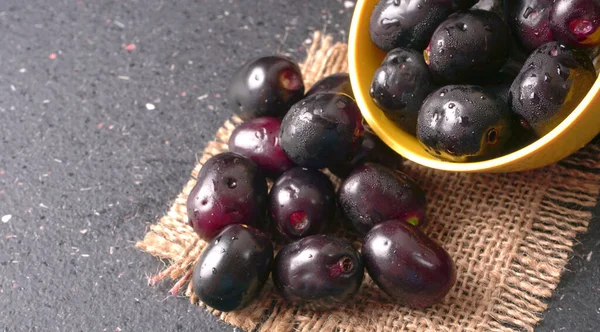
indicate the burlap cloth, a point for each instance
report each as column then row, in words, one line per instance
column 509, row 234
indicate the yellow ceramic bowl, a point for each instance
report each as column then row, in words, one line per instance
column 364, row 58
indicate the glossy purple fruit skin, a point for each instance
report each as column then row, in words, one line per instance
column 319, row 272
column 339, row 82
column 373, row 194
column 258, row 139
column 463, row 123
column 576, row 23
column 407, row 265
column 400, row 85
column 372, row 149
column 409, row 23
column 233, row 268
column 530, row 22
column 265, row 86
column 322, row 130
column 230, row 190
column 468, row 47
column 551, row 84
column 302, row 203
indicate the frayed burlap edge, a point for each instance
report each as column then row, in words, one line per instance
column 523, row 225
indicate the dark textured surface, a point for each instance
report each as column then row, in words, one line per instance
column 85, row 166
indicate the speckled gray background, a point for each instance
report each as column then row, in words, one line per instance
column 103, row 107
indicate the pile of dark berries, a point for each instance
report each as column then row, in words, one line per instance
column 449, row 75
column 290, row 137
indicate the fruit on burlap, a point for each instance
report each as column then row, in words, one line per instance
column 233, row 268
column 373, row 193
column 319, row 272
column 230, row 190
column 302, row 203
column 265, row 86
column 407, row 265
column 258, row 139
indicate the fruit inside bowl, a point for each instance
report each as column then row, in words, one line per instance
column 485, row 94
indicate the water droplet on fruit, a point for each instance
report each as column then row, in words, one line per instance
column 310, row 256
column 217, row 240
column 463, row 120
column 204, row 201
column 462, row 26
column 547, row 77
column 535, row 99
column 451, row 105
column 419, row 6
column 536, row 33
column 386, row 243
column 528, row 12
column 482, row 97
column 487, row 28
column 443, row 92
column 396, row 2
column 231, row 183
column 233, row 238
column 214, row 271
column 436, row 116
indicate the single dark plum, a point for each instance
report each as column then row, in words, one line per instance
column 468, row 47
column 265, row 86
column 407, row 265
column 372, row 149
column 400, row 85
column 464, row 123
column 373, row 193
column 576, row 23
column 552, row 83
column 258, row 139
column 530, row 22
column 230, row 190
column 339, row 82
column 409, row 23
column 302, row 202
column 320, row 272
column 233, row 268
column 322, row 130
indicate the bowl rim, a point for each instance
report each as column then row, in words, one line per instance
column 485, row 165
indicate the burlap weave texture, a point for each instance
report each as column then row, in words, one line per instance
column 509, row 234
